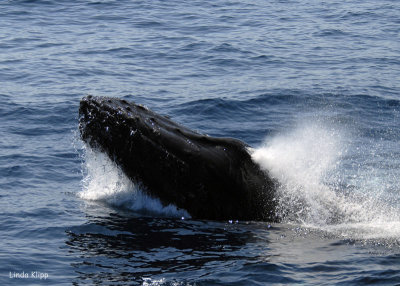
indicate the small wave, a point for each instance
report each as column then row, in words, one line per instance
column 105, row 182
column 330, row 33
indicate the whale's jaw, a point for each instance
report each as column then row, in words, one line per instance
column 211, row 178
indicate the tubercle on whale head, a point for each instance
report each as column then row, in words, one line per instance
column 212, row 178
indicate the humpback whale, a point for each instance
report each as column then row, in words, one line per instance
column 211, row 178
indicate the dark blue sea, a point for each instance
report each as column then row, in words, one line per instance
column 312, row 86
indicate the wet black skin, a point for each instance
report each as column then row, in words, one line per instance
column 211, row 178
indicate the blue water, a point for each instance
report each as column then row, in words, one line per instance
column 313, row 86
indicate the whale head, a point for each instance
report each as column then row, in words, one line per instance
column 211, row 178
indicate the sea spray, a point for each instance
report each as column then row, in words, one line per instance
column 311, row 164
column 104, row 181
column 303, row 161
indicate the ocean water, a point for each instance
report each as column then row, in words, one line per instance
column 312, row 86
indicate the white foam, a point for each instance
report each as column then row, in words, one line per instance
column 309, row 161
column 104, row 181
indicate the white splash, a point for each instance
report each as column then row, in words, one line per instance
column 104, row 181
column 308, row 162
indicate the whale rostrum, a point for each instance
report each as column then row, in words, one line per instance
column 211, row 178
